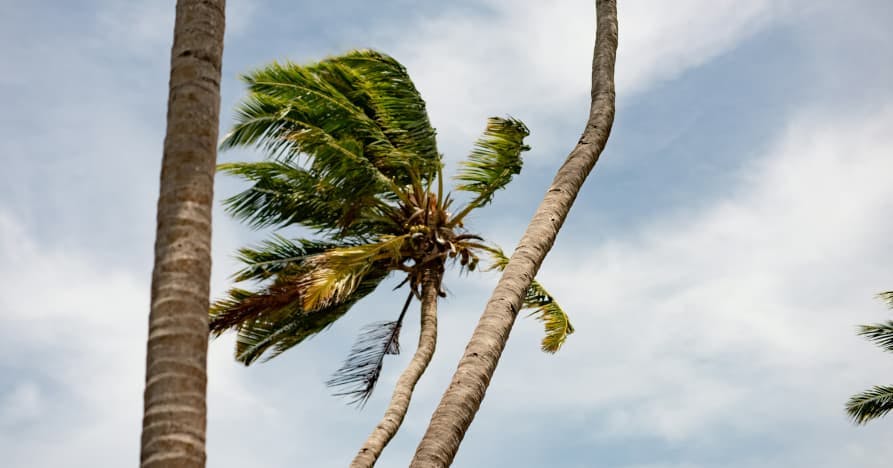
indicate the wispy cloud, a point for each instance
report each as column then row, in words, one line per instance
column 520, row 56
column 723, row 330
column 735, row 320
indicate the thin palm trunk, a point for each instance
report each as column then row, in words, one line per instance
column 174, row 400
column 396, row 411
column 463, row 397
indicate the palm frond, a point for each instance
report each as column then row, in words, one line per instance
column 362, row 368
column 887, row 297
column 496, row 157
column 880, row 334
column 287, row 128
column 277, row 255
column 545, row 309
column 303, row 283
column 381, row 86
column 240, row 306
column 334, row 275
column 282, row 195
column 272, row 334
column 358, row 112
column 870, row 404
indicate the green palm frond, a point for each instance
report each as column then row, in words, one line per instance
column 880, row 334
column 359, row 110
column 887, row 297
column 285, row 129
column 278, row 255
column 283, row 194
column 555, row 320
column 273, row 334
column 870, row 404
column 383, row 89
column 495, row 159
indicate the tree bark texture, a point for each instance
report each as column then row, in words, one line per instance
column 174, row 417
column 463, row 397
column 399, row 404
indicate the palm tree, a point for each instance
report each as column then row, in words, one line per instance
column 878, row 401
column 465, row 393
column 174, row 400
column 351, row 156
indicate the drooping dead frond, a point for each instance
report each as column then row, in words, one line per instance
column 362, row 368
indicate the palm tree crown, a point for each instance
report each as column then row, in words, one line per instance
column 351, row 155
column 878, row 401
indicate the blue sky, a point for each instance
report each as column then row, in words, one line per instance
column 715, row 264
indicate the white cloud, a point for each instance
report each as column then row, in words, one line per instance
column 736, row 319
column 74, row 347
column 537, row 55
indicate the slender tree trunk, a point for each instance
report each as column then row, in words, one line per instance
column 463, row 397
column 396, row 411
column 174, row 400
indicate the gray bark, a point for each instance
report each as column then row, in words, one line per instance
column 463, row 397
column 174, row 417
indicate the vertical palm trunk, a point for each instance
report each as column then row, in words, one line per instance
column 174, row 399
column 463, row 397
column 396, row 411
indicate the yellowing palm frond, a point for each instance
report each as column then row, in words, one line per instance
column 336, row 273
column 545, row 309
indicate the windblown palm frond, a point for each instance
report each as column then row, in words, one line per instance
column 555, row 321
column 880, row 334
column 496, row 157
column 283, row 195
column 277, row 330
column 309, row 280
column 870, row 404
column 278, row 255
column 360, row 108
column 887, row 297
column 285, row 129
column 383, row 89
column 333, row 275
column 878, row 401
column 362, row 368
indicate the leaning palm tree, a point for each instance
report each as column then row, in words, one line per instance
column 174, row 398
column 464, row 395
column 878, row 401
column 352, row 157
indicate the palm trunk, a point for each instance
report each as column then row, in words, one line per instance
column 396, row 411
column 463, row 397
column 176, row 380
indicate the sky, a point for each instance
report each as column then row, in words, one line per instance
column 715, row 265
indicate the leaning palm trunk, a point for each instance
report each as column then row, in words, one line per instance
column 463, row 398
column 396, row 411
column 174, row 401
